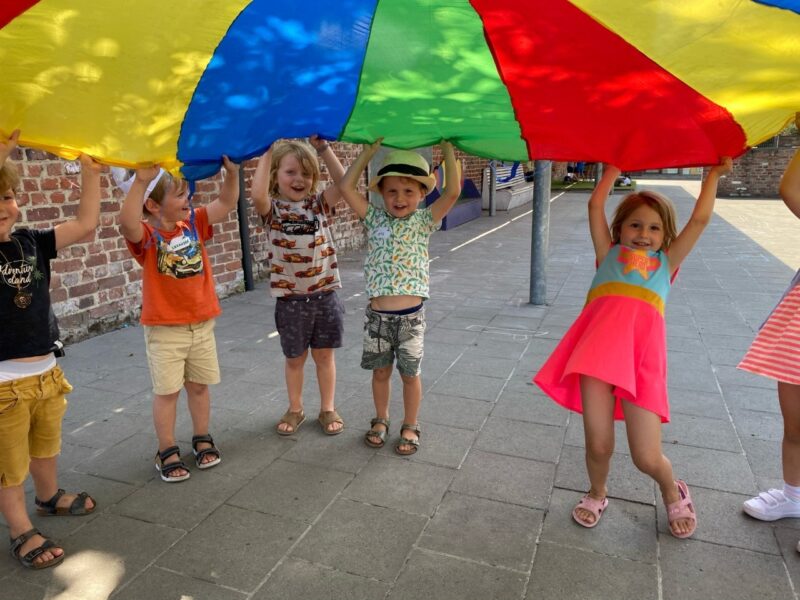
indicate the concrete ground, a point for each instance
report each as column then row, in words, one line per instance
column 483, row 510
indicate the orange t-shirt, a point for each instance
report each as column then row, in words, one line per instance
column 177, row 280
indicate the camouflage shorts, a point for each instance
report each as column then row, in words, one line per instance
column 388, row 336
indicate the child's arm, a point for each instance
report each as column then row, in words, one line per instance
column 218, row 210
column 7, row 146
column 790, row 183
column 349, row 184
column 452, row 184
column 88, row 216
column 259, row 188
column 130, row 216
column 332, row 193
column 701, row 215
column 598, row 224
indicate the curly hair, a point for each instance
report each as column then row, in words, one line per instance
column 659, row 203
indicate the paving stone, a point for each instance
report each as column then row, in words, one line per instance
column 377, row 539
column 487, row 531
column 693, row 402
column 471, row 363
column 715, row 469
column 429, row 575
column 246, row 545
column 627, row 529
column 520, row 438
column 696, row 570
column 245, row 453
column 758, row 425
column 751, row 398
column 158, row 583
column 439, row 445
column 304, row 490
column 529, row 405
column 764, row 457
column 130, row 461
column 505, row 478
column 701, row 432
column 299, row 579
column 463, row 413
column 732, row 376
column 344, row 452
column 14, row 588
column 593, row 580
column 477, row 387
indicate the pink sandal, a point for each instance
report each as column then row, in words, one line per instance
column 682, row 509
column 596, row 507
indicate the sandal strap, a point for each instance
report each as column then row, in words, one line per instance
column 31, row 556
column 377, row 433
column 379, row 421
column 50, row 505
column 171, row 451
column 200, row 454
column 293, row 418
column 199, row 439
column 18, row 541
column 326, row 417
column 168, row 468
column 411, row 427
column 408, row 441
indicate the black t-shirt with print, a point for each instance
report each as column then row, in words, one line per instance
column 30, row 331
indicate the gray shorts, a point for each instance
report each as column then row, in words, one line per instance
column 311, row 321
column 387, row 336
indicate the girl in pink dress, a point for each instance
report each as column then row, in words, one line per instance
column 775, row 353
column 612, row 363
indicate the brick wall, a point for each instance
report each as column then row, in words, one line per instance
column 758, row 173
column 96, row 285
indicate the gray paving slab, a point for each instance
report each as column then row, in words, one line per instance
column 155, row 582
column 521, row 438
column 300, row 579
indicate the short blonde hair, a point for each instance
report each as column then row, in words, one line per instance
column 304, row 154
column 659, row 203
column 9, row 178
column 166, row 183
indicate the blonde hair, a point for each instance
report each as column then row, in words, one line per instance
column 304, row 154
column 9, row 178
column 659, row 203
column 165, row 184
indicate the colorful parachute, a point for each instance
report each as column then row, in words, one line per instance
column 639, row 83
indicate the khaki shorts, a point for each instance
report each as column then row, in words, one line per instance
column 31, row 410
column 180, row 353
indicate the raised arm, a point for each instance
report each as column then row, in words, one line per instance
column 88, row 217
column 218, row 210
column 332, row 193
column 349, row 184
column 701, row 215
column 790, row 183
column 7, row 146
column 130, row 216
column 452, row 183
column 598, row 224
column 259, row 188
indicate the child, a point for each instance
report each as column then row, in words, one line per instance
column 775, row 353
column 179, row 303
column 396, row 271
column 304, row 276
column 32, row 385
column 611, row 364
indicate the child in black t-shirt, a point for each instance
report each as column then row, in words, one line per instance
column 32, row 386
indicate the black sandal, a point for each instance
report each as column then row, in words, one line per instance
column 76, row 509
column 166, row 468
column 381, row 435
column 27, row 560
column 402, row 441
column 200, row 454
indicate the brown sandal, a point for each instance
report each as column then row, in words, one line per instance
column 403, row 441
column 380, row 434
column 78, row 507
column 294, row 419
column 326, row 417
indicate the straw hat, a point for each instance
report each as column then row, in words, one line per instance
column 404, row 163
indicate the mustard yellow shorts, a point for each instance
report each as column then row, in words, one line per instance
column 180, row 353
column 31, row 410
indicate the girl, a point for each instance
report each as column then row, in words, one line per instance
column 179, row 303
column 611, row 364
column 775, row 353
column 304, row 275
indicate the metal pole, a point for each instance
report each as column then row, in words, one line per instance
column 244, row 236
column 492, row 188
column 540, row 231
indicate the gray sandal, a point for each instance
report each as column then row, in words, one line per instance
column 404, row 441
column 380, row 434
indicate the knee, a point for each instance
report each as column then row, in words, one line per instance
column 648, row 462
column 195, row 389
column 410, row 379
column 322, row 356
column 296, row 363
column 382, row 374
column 600, row 450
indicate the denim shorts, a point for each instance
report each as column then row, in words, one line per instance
column 388, row 337
column 309, row 321
column 31, row 411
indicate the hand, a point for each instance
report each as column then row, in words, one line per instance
column 373, row 148
column 89, row 165
column 446, row 147
column 611, row 170
column 7, row 147
column 724, row 167
column 231, row 168
column 146, row 174
column 319, row 144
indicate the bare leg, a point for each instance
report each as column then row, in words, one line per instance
column 164, row 414
column 326, row 375
column 412, row 398
column 598, row 428
column 644, row 439
column 789, row 397
column 12, row 505
column 45, row 481
column 294, row 386
column 381, row 392
column 199, row 401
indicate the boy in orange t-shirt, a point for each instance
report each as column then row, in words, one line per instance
column 179, row 303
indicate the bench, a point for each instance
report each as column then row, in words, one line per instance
column 511, row 187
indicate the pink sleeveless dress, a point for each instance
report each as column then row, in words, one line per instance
column 619, row 337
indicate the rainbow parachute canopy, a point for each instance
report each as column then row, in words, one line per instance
column 182, row 82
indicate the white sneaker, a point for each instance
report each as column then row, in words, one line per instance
column 771, row 506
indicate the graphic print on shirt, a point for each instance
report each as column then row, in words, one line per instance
column 639, row 261
column 19, row 274
column 181, row 257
